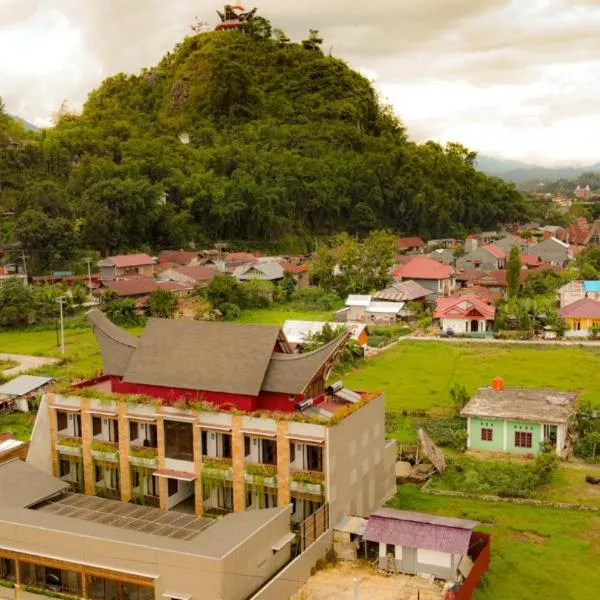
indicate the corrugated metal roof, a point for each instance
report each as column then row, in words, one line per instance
column 358, row 300
column 23, row 384
column 385, row 307
column 356, row 525
column 418, row 530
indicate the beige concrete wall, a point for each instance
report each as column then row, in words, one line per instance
column 234, row 577
column 289, row 580
column 359, row 469
column 40, row 450
column 254, row 561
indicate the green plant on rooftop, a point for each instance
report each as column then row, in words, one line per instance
column 71, row 442
column 143, row 452
column 216, row 463
column 47, row 592
column 104, row 447
column 308, row 477
column 261, row 470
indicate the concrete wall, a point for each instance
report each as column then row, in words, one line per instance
column 474, row 426
column 462, row 325
column 234, row 577
column 360, row 477
column 288, row 581
column 255, row 561
column 40, row 454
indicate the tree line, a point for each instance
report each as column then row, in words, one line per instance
column 235, row 136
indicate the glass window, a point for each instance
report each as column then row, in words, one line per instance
column 7, row 569
column 523, row 439
column 58, row 580
column 487, row 434
column 179, row 440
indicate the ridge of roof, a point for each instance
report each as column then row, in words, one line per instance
column 279, row 378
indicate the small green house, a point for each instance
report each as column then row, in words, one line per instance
column 518, row 420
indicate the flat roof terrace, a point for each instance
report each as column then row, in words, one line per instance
column 133, row 517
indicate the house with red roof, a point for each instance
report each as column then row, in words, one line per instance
column 484, row 258
column 125, row 265
column 530, row 262
column 198, row 275
column 410, row 245
column 300, row 272
column 464, row 315
column 581, row 317
column 436, row 277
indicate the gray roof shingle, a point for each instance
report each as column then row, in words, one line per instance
column 198, row 355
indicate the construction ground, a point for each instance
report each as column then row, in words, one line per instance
column 337, row 583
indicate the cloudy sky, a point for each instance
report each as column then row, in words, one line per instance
column 511, row 78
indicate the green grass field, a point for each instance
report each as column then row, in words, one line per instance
column 268, row 316
column 536, row 552
column 419, row 375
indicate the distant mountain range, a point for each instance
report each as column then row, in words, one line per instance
column 29, row 126
column 513, row 170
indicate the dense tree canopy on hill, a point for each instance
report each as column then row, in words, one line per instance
column 235, row 136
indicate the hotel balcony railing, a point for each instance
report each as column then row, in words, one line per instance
column 106, row 492
column 143, row 456
column 68, row 445
column 217, row 467
column 312, row 482
column 260, row 474
column 107, row 451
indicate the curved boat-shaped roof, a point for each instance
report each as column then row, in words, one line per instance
column 116, row 346
column 292, row 373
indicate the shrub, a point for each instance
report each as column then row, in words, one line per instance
column 446, row 432
column 230, row 311
column 313, row 299
column 258, row 294
column 459, row 396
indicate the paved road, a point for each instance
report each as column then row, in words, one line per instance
column 25, row 363
column 459, row 340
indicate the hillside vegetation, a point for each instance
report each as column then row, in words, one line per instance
column 236, row 136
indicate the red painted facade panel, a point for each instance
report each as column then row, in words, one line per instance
column 479, row 551
column 264, row 401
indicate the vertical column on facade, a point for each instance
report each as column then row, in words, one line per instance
column 162, row 481
column 283, row 464
column 124, row 469
column 53, row 434
column 199, row 508
column 86, row 448
column 237, row 460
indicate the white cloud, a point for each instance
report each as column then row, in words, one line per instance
column 509, row 77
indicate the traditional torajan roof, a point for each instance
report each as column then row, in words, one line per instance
column 463, row 308
column 522, row 404
column 419, row 530
column 403, row 291
column 126, row 260
column 212, row 357
column 198, row 355
column 116, row 345
column 586, row 308
column 422, row 267
column 410, row 242
column 291, row 373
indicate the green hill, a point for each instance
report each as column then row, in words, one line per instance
column 232, row 136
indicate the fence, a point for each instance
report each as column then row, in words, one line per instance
column 313, row 527
column 479, row 551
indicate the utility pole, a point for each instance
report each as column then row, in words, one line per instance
column 61, row 301
column 89, row 262
column 24, row 259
